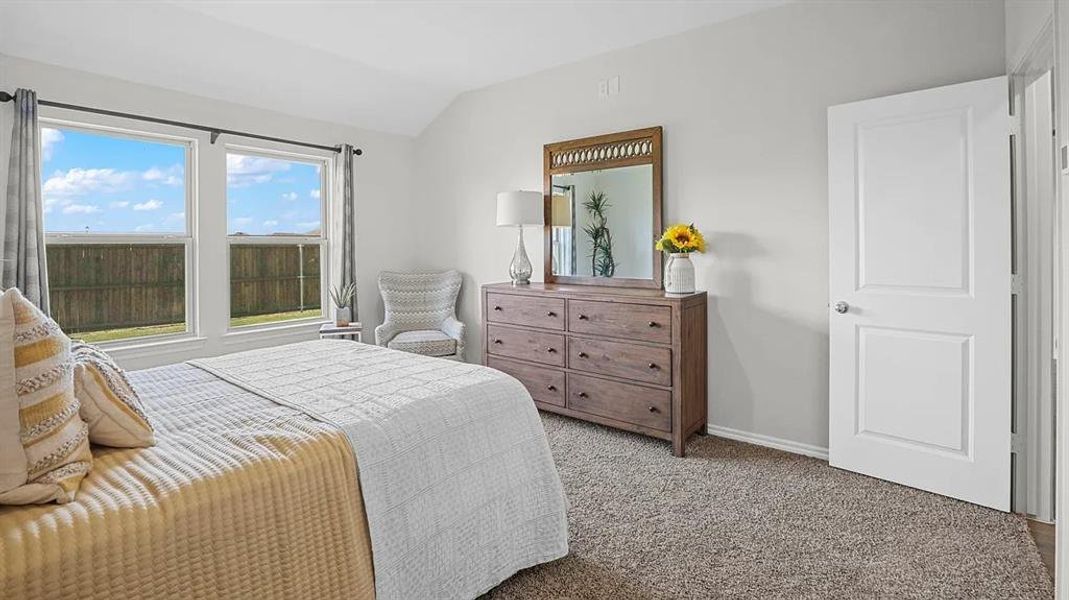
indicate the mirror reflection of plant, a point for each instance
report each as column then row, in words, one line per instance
column 602, row 263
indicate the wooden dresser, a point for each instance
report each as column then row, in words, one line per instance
column 629, row 358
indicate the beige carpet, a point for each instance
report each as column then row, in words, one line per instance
column 739, row 521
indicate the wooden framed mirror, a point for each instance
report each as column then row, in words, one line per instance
column 602, row 199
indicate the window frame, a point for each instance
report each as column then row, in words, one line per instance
column 188, row 239
column 324, row 239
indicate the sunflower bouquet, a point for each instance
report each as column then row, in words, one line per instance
column 681, row 239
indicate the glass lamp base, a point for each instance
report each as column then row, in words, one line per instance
column 520, row 270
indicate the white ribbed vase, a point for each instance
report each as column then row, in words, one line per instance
column 679, row 274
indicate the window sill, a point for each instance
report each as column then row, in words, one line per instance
column 153, row 347
column 241, row 335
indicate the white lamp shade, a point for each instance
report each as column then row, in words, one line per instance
column 519, row 208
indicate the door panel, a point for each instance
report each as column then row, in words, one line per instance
column 919, row 219
column 922, row 197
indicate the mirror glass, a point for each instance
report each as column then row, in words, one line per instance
column 602, row 224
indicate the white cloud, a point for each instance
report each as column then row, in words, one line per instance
column 242, row 220
column 78, row 181
column 307, row 226
column 314, row 194
column 172, row 175
column 49, row 139
column 291, row 196
column 80, row 209
column 118, row 204
column 152, row 204
column 177, row 216
column 145, row 227
column 270, row 223
column 243, row 171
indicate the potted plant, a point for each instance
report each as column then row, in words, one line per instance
column 679, row 241
column 342, row 298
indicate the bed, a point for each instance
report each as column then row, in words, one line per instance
column 325, row 469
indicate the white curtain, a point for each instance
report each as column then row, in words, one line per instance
column 22, row 234
column 344, row 238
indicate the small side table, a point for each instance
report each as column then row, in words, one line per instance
column 353, row 331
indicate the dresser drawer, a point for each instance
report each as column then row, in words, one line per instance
column 532, row 311
column 621, row 401
column 646, row 322
column 632, row 361
column 546, row 385
column 536, row 346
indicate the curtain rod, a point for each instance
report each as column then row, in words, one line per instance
column 214, row 132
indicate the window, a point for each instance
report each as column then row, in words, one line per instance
column 275, row 209
column 117, row 232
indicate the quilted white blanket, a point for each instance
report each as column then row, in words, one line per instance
column 458, row 480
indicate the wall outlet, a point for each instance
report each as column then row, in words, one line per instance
column 603, row 88
column 614, row 85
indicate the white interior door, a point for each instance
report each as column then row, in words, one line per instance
column 920, row 323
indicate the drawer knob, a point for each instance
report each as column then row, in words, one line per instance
column 497, row 308
column 551, row 314
column 584, row 318
column 653, row 324
column 582, row 355
column 551, row 388
column 653, row 409
column 581, row 394
column 551, row 349
column 652, row 365
column 497, row 341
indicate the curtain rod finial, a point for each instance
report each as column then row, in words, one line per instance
column 6, row 97
column 358, row 151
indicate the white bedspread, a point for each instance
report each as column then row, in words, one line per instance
column 458, row 480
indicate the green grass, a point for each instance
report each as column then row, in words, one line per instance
column 275, row 317
column 109, row 335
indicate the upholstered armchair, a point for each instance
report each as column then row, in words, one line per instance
column 421, row 314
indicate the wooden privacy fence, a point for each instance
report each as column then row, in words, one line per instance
column 95, row 287
column 272, row 278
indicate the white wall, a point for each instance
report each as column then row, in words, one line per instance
column 743, row 106
column 383, row 190
column 1024, row 21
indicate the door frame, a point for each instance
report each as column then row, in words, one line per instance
column 1034, row 449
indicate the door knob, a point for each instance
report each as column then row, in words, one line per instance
column 841, row 307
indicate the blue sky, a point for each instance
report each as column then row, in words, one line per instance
column 105, row 184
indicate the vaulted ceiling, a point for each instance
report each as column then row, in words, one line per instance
column 388, row 66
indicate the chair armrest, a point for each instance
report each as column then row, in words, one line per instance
column 454, row 329
column 385, row 332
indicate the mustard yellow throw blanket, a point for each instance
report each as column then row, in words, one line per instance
column 240, row 498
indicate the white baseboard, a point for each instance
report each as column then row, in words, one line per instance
column 768, row 441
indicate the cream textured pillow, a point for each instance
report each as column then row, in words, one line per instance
column 110, row 405
column 44, row 445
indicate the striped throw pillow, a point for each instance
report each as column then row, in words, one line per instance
column 110, row 405
column 44, row 445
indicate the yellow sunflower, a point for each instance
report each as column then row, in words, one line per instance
column 681, row 238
